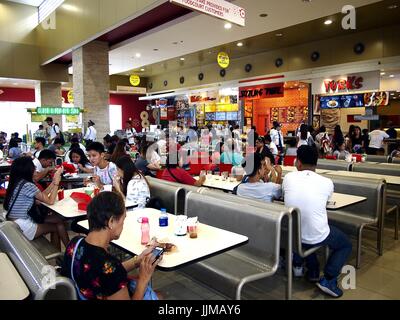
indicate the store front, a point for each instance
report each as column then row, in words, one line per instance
column 287, row 103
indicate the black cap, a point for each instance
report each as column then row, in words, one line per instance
column 48, row 119
column 91, row 123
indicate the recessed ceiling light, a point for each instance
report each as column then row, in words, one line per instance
column 155, row 49
column 392, row 94
column 328, row 22
column 175, row 42
column 240, row 44
column 142, row 69
column 15, row 84
column 307, row 1
column 383, row 73
column 264, row 15
column 228, row 26
column 182, row 59
column 138, row 55
column 393, row 6
column 391, row 76
column 279, row 34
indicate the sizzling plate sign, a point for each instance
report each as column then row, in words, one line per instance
column 217, row 8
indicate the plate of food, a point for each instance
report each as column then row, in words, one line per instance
column 332, row 104
column 163, row 243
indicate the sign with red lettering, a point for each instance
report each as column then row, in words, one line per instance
column 351, row 83
column 217, row 8
column 274, row 90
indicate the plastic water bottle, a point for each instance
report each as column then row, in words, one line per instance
column 163, row 220
column 145, row 227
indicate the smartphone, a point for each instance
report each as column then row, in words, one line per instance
column 59, row 162
column 157, row 252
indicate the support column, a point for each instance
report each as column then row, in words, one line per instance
column 92, row 84
column 49, row 94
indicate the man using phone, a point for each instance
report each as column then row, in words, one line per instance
column 44, row 164
column 157, row 253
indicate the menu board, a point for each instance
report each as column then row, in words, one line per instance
column 210, row 116
column 232, row 116
column 343, row 101
column 376, row 99
column 220, row 116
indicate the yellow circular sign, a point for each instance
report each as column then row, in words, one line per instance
column 223, row 60
column 70, row 96
column 134, row 80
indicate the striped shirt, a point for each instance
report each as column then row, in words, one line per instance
column 24, row 201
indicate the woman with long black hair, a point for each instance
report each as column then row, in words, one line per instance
column 22, row 195
column 131, row 183
column 79, row 159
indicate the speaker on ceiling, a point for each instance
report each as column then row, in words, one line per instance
column 182, row 80
column 315, row 56
column 279, row 62
column 201, row 76
column 165, row 83
column 359, row 48
column 248, row 67
column 222, row 73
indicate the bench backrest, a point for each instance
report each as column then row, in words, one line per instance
column 373, row 189
column 333, row 165
column 31, row 265
column 380, row 159
column 181, row 194
column 389, row 170
column 262, row 227
column 170, row 195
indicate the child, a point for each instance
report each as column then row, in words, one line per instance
column 104, row 171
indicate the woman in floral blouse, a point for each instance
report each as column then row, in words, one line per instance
column 97, row 274
column 131, row 183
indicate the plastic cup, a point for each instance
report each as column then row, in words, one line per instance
column 192, row 231
column 107, row 187
column 60, row 194
column 89, row 191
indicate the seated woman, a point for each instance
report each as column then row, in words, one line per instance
column 255, row 185
column 143, row 165
column 174, row 173
column 119, row 151
column 342, row 153
column 79, row 159
column 14, row 151
column 97, row 274
column 216, row 155
column 22, row 195
column 131, row 183
column 230, row 154
column 264, row 150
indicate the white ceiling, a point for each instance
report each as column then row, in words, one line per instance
column 35, row 3
column 199, row 31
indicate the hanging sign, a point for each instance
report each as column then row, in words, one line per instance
column 134, row 80
column 70, row 97
column 58, row 111
column 223, row 60
column 217, row 8
column 274, row 90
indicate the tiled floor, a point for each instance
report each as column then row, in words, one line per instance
column 378, row 278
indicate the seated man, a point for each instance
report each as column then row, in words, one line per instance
column 56, row 147
column 44, row 164
column 310, row 192
column 256, row 186
column 40, row 143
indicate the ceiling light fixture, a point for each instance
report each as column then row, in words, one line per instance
column 391, row 76
column 383, row 73
column 142, row 69
column 155, row 49
column 328, row 22
column 240, row 44
column 279, row 34
column 182, row 59
column 393, row 6
column 138, row 55
column 263, row 15
column 228, row 26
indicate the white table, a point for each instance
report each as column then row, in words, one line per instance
column 12, row 287
column 210, row 241
column 286, row 169
column 389, row 179
column 341, row 200
column 68, row 207
column 219, row 184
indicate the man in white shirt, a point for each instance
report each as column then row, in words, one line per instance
column 91, row 133
column 310, row 192
column 376, row 140
column 130, row 132
column 44, row 164
column 53, row 130
column 277, row 139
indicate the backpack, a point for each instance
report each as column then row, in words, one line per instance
column 62, row 138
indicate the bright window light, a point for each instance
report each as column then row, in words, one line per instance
column 48, row 7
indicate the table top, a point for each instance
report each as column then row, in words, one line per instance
column 67, row 207
column 389, row 179
column 210, row 241
column 341, row 200
column 12, row 287
column 292, row 169
column 5, row 164
column 219, row 184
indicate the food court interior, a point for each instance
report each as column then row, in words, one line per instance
column 254, row 146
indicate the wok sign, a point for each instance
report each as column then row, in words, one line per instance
column 217, row 8
column 351, row 83
column 275, row 90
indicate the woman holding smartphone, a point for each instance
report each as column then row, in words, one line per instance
column 97, row 274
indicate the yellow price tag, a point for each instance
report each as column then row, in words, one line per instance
column 134, row 80
column 223, row 60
